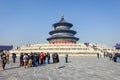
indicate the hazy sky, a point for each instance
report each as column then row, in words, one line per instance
column 29, row 21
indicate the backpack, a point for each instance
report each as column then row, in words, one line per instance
column 25, row 57
column 55, row 55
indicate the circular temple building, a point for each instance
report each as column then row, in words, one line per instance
column 61, row 33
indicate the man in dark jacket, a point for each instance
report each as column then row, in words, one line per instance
column 66, row 58
column 14, row 57
column 48, row 58
column 55, row 58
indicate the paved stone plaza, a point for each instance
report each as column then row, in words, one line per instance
column 78, row 68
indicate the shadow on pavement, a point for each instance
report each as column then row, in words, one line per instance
column 12, row 68
column 61, row 67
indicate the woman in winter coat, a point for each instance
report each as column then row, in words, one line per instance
column 4, row 60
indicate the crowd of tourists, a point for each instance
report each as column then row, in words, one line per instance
column 113, row 56
column 34, row 59
column 31, row 59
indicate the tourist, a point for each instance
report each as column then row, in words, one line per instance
column 7, row 57
column 104, row 54
column 48, row 58
column 25, row 59
column 98, row 55
column 44, row 60
column 115, row 58
column 14, row 57
column 35, row 60
column 21, row 59
column 66, row 58
column 30, row 60
column 4, row 60
column 38, row 59
column 110, row 56
column 55, row 58
column 41, row 56
column 31, row 56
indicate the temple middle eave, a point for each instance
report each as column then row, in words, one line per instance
column 62, row 31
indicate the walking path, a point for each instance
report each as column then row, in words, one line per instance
column 78, row 68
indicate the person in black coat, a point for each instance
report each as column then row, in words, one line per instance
column 48, row 58
column 66, row 58
column 21, row 59
column 55, row 58
column 115, row 58
column 14, row 57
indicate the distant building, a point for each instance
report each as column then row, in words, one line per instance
column 61, row 33
column 5, row 47
column 117, row 46
column 62, row 41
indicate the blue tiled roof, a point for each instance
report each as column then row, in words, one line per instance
column 2, row 47
column 63, row 22
column 117, row 46
column 58, row 31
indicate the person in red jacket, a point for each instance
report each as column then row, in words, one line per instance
column 42, row 57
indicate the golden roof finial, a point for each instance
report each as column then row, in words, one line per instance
column 62, row 16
